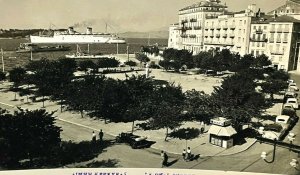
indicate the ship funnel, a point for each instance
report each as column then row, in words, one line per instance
column 71, row 30
column 89, row 30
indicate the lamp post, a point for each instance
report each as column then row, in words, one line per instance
column 264, row 154
column 186, row 134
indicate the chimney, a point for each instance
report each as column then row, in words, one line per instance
column 71, row 30
column 89, row 30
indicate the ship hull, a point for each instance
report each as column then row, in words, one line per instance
column 75, row 39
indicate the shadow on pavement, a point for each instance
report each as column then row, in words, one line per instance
column 172, row 162
column 110, row 163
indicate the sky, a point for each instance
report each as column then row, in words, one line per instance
column 119, row 15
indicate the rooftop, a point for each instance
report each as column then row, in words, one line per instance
column 271, row 18
column 207, row 3
column 296, row 1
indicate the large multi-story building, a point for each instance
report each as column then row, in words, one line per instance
column 277, row 38
column 208, row 25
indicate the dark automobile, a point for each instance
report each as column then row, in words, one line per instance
column 136, row 142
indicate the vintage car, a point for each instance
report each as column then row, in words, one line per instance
column 136, row 142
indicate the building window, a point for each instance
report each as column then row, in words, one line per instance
column 293, row 11
column 262, row 44
column 257, row 53
column 252, row 44
column 262, row 52
column 265, row 27
column 272, row 58
column 257, row 44
column 254, row 27
column 281, row 66
column 280, row 58
column 252, row 52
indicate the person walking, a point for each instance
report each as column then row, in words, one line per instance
column 162, row 155
column 184, row 154
column 189, row 154
column 101, row 135
column 93, row 137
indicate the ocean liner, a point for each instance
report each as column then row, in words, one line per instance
column 70, row 36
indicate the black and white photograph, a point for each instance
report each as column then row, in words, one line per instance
column 149, row 87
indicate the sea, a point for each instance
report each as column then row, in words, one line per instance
column 13, row 59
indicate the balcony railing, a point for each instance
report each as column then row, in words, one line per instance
column 232, row 27
column 258, row 31
column 184, row 21
column 278, row 40
column 225, row 36
column 193, row 20
column 279, row 30
column 197, row 28
column 285, row 30
column 184, row 36
column 231, row 35
column 192, row 36
column 225, row 27
column 218, row 28
column 277, row 53
column 271, row 40
column 218, row 35
column 258, row 39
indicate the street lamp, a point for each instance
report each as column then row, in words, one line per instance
column 186, row 134
column 264, row 154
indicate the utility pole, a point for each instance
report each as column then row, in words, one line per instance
column 117, row 48
column 2, row 60
column 127, row 52
column 31, row 54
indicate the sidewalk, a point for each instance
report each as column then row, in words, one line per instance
column 199, row 145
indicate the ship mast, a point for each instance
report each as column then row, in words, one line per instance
column 2, row 60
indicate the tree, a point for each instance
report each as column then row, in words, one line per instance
column 199, row 106
column 130, row 63
column 261, row 61
column 28, row 134
column 107, row 62
column 139, row 90
column 142, row 57
column 167, row 107
column 272, row 87
column 17, row 75
column 84, row 65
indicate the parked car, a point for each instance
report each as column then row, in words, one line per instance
column 293, row 101
column 288, row 106
column 289, row 94
column 136, row 142
column 210, row 73
column 290, row 81
column 293, row 86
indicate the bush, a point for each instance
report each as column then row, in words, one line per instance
column 273, row 127
column 130, row 63
column 257, row 124
column 180, row 133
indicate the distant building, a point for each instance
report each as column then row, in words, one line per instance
column 208, row 25
column 291, row 8
column 277, row 38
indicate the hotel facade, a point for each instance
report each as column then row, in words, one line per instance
column 208, row 25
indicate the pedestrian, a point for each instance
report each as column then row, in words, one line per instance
column 94, row 137
column 165, row 159
column 189, row 153
column 162, row 155
column 101, row 135
column 184, row 154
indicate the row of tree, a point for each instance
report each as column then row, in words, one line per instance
column 213, row 60
column 140, row 98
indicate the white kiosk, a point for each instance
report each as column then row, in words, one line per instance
column 221, row 132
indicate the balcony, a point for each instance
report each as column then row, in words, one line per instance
column 271, row 40
column 184, row 36
column 279, row 30
column 218, row 28
column 231, row 35
column 193, row 20
column 232, row 27
column 184, row 21
column 258, row 40
column 192, row 36
column 285, row 41
column 218, row 35
column 286, row 30
column 225, row 27
column 277, row 53
column 225, row 36
column 258, row 31
column 272, row 30
column 197, row 28
column 278, row 40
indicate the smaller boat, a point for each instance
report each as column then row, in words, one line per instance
column 29, row 47
column 80, row 54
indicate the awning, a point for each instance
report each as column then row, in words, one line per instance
column 222, row 131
